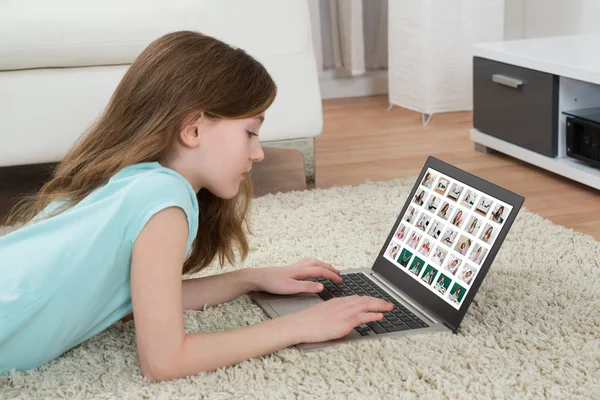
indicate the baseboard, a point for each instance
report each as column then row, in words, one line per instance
column 335, row 85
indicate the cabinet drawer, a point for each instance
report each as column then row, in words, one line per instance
column 516, row 104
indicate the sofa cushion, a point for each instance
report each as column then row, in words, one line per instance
column 68, row 33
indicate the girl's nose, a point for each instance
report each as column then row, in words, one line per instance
column 257, row 153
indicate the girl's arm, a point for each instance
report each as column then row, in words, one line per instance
column 214, row 289
column 165, row 350
column 217, row 289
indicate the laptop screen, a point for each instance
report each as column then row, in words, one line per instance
column 446, row 234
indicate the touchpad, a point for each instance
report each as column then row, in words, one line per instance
column 288, row 306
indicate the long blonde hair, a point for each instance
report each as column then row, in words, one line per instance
column 177, row 75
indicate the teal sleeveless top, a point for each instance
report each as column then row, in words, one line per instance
column 66, row 278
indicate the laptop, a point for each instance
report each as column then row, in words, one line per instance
column 432, row 263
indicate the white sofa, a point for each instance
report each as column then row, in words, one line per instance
column 61, row 60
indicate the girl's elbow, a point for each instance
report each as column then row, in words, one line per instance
column 158, row 373
column 155, row 369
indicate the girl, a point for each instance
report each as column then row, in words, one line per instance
column 158, row 187
column 454, row 297
column 415, row 268
column 400, row 235
column 439, row 285
column 453, row 266
column 439, row 258
column 467, row 276
column 497, row 216
column 428, row 180
column 419, row 198
column 457, row 218
column 429, row 277
column 422, row 224
column 425, row 248
column 463, row 248
column 476, row 254
column 394, row 252
column 473, row 226
column 487, row 235
column 410, row 215
column 405, row 258
column 443, row 212
column 432, row 205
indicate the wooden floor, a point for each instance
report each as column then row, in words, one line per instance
column 362, row 141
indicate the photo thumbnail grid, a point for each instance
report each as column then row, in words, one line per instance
column 446, row 234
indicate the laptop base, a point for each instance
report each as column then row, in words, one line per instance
column 278, row 305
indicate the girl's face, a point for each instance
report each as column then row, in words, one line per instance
column 217, row 154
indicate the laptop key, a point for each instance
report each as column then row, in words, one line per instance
column 397, row 328
column 376, row 327
column 362, row 331
column 413, row 324
column 325, row 295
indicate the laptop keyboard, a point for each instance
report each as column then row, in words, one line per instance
column 399, row 319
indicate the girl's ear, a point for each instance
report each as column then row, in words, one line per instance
column 192, row 125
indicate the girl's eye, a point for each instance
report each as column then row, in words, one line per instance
column 251, row 134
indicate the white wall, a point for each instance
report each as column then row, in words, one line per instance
column 537, row 18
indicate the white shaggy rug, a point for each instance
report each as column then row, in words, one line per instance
column 532, row 331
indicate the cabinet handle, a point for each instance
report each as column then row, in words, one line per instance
column 507, row 81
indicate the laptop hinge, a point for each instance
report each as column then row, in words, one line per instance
column 452, row 328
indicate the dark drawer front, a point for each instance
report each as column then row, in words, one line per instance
column 516, row 104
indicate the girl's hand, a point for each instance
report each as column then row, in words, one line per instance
column 335, row 318
column 289, row 279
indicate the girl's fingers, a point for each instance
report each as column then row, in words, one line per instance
column 313, row 262
column 364, row 318
column 364, row 304
column 317, row 272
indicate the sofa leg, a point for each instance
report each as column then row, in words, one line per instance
column 304, row 146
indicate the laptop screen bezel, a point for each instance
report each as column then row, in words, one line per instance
column 423, row 295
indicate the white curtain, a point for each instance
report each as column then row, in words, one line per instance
column 350, row 35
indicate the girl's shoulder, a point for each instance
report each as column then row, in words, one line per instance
column 144, row 189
